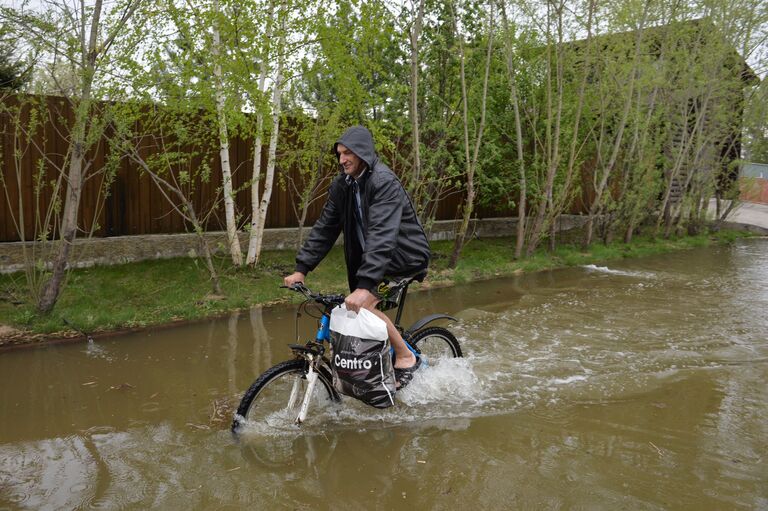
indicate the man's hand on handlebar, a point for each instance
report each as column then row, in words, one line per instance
column 292, row 279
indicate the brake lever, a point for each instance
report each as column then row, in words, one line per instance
column 299, row 287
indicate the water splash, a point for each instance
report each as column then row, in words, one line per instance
column 445, row 381
column 625, row 273
column 94, row 350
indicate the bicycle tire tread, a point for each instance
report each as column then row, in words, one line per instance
column 438, row 331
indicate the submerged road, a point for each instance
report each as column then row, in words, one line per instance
column 635, row 384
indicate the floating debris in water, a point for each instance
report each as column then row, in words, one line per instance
column 122, row 386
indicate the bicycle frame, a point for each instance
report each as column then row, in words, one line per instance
column 324, row 330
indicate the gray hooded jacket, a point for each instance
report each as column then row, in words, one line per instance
column 395, row 243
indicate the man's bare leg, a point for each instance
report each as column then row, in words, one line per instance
column 403, row 356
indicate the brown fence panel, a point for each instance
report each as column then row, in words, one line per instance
column 132, row 204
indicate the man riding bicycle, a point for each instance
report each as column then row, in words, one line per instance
column 383, row 237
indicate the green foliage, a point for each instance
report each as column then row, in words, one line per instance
column 356, row 74
column 14, row 73
column 756, row 124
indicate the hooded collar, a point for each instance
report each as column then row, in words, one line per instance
column 360, row 179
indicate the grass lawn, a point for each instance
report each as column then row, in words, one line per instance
column 147, row 293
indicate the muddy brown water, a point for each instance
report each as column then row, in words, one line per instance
column 638, row 384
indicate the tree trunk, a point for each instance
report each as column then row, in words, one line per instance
column 552, row 133
column 255, row 194
column 257, row 230
column 307, row 196
column 207, row 256
column 471, row 161
column 226, row 171
column 513, row 98
column 414, row 37
column 261, row 204
column 257, row 147
column 68, row 229
column 470, row 198
column 302, row 220
column 628, row 233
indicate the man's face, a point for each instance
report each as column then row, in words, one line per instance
column 352, row 164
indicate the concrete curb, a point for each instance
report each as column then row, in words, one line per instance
column 738, row 226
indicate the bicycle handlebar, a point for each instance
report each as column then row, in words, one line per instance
column 327, row 300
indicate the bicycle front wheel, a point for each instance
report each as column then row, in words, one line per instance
column 275, row 398
column 435, row 343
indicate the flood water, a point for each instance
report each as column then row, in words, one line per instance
column 638, row 384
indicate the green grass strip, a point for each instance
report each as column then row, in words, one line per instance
column 158, row 292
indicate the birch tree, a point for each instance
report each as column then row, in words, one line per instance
column 221, row 104
column 249, row 46
column 205, row 63
column 260, row 201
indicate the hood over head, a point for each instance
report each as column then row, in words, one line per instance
column 360, row 141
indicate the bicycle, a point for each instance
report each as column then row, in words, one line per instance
column 283, row 392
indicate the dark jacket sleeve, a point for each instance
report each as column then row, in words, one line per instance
column 324, row 233
column 385, row 209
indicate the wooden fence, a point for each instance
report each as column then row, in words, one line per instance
column 131, row 204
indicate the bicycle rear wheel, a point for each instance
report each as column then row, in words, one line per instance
column 435, row 343
column 269, row 402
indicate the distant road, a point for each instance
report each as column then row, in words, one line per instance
column 748, row 213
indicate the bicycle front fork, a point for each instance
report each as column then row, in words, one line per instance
column 311, row 377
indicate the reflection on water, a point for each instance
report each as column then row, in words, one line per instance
column 638, row 384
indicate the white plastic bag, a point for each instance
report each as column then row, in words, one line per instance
column 361, row 359
column 364, row 324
